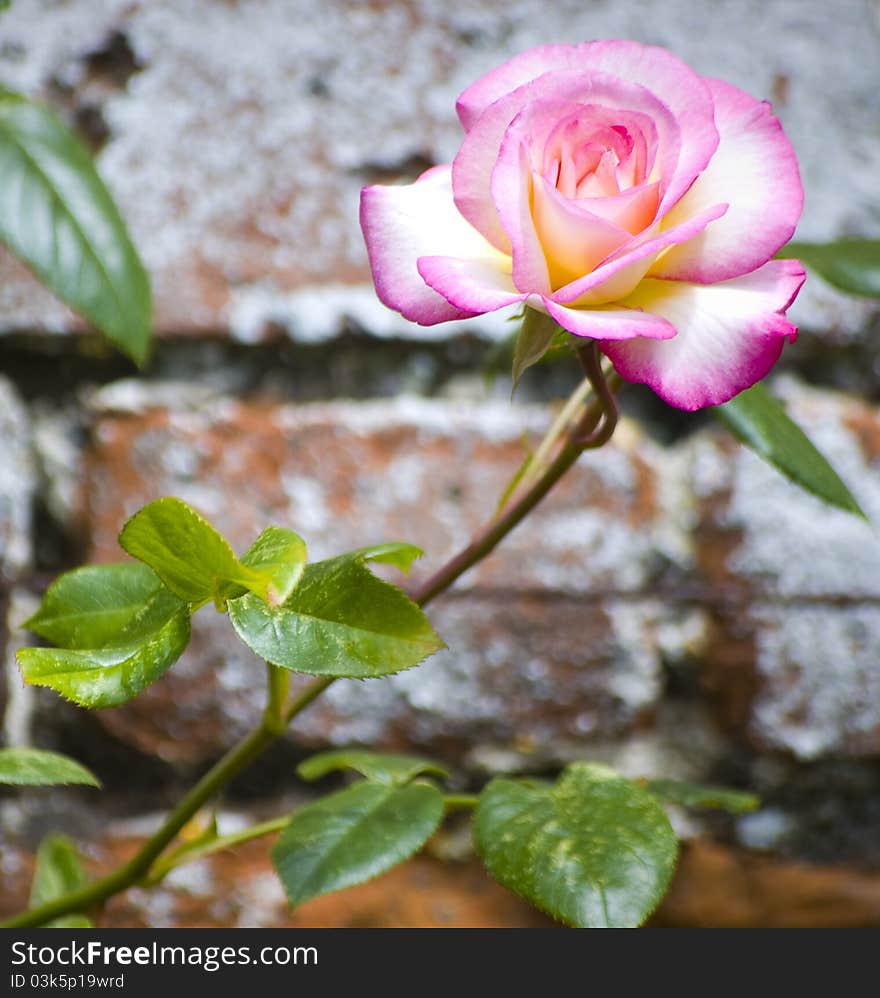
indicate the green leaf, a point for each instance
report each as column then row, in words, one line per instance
column 853, row 265
column 535, row 338
column 397, row 553
column 702, row 796
column 113, row 673
column 760, row 421
column 58, row 217
column 340, row 621
column 27, row 767
column 593, row 850
column 197, row 563
column 392, row 770
column 354, row 835
column 278, row 560
column 90, row 606
column 58, row 872
column 182, row 548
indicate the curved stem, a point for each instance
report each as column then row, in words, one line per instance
column 514, row 513
column 131, row 872
column 573, row 440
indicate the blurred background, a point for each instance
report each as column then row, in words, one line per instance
column 675, row 608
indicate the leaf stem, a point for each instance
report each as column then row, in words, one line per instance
column 460, row 802
column 278, row 687
column 569, row 438
column 162, row 868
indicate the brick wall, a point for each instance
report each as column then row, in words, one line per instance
column 675, row 607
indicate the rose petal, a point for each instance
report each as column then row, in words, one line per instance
column 609, row 323
column 403, row 223
column 729, row 335
column 679, row 88
column 574, row 240
column 756, row 169
column 618, row 275
column 633, row 210
column 473, row 166
column 512, row 189
column 475, row 285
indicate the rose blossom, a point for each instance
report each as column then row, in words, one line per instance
column 613, row 188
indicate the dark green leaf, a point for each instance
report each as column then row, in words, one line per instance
column 392, row 770
column 760, row 421
column 340, row 621
column 699, row 795
column 278, row 559
column 593, row 850
column 109, row 675
column 535, row 338
column 89, row 607
column 853, row 265
column 39, row 768
column 354, row 835
column 58, row 872
column 57, row 216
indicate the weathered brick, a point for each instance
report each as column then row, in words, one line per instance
column 792, row 660
column 552, row 636
column 17, row 484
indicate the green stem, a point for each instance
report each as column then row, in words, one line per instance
column 134, row 870
column 574, row 437
column 517, row 509
column 161, row 869
column 278, row 688
column 460, row 802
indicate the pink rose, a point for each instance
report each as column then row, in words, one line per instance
column 610, row 186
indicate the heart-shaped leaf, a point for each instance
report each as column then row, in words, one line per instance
column 39, row 768
column 354, row 835
column 340, row 620
column 594, row 850
column 57, row 216
column 380, row 767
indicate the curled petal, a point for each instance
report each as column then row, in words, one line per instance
column 575, row 240
column 729, row 335
column 403, row 223
column 610, row 323
column 756, row 168
column 619, row 274
column 476, row 284
column 512, row 191
column 633, row 210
